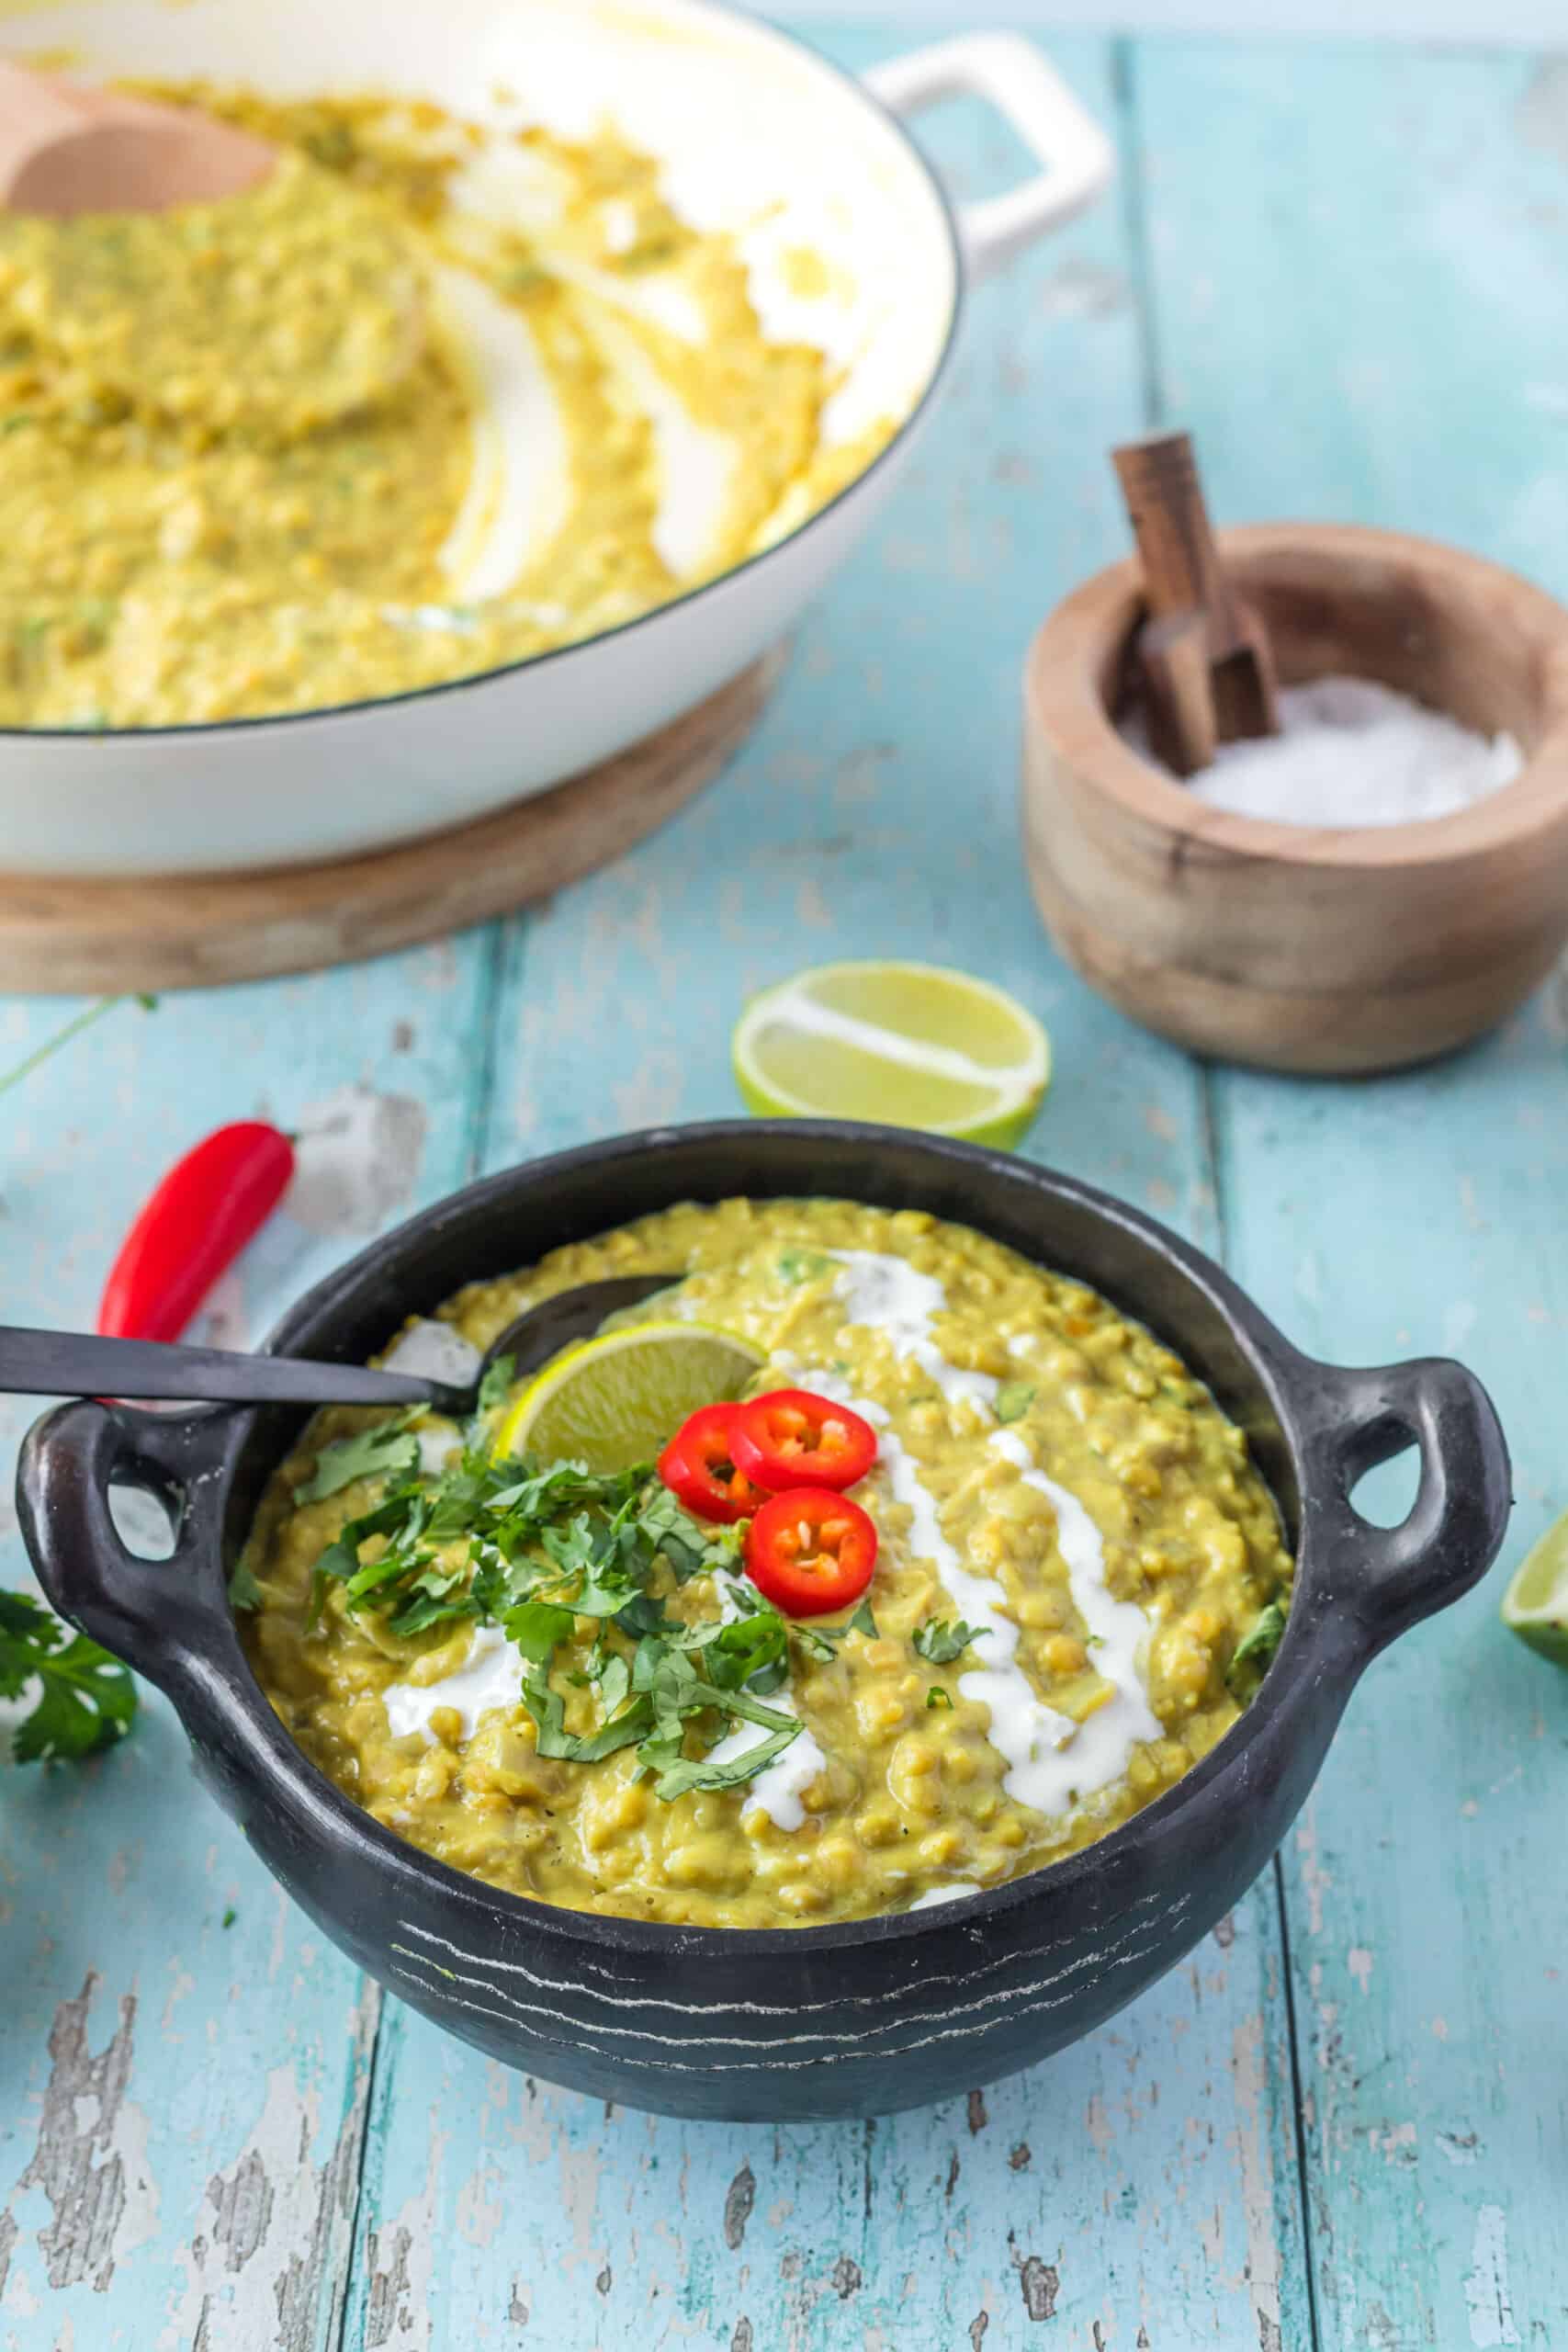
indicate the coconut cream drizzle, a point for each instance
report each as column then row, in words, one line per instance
column 954, row 1894
column 779, row 1786
column 491, row 1675
column 1053, row 1761
column 884, row 1292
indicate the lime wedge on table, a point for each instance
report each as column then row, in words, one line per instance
column 910, row 1045
column 1535, row 1603
column 618, row 1397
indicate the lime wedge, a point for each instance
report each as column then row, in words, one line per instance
column 618, row 1397
column 909, row 1045
column 1535, row 1603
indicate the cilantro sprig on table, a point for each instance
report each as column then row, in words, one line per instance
column 540, row 1550
column 85, row 1698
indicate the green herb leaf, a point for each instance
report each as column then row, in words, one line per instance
column 85, row 1699
column 497, row 1383
column 552, row 1738
column 1014, row 1400
column 942, row 1639
column 863, row 1621
column 230, row 1915
column 537, row 1628
column 244, row 1592
column 701, row 1772
column 378, row 1452
column 937, row 1697
column 804, row 1265
column 1260, row 1641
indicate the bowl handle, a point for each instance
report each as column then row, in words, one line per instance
column 146, row 1612
column 1012, row 75
column 1392, row 1576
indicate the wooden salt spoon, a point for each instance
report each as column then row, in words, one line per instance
column 67, row 149
column 1207, row 670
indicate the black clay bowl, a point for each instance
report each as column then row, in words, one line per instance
column 786, row 2023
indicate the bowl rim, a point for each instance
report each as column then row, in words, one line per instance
column 1066, row 713
column 1335, row 1645
column 764, row 30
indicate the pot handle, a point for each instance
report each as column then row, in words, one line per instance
column 1010, row 73
column 144, row 1610
column 1391, row 1578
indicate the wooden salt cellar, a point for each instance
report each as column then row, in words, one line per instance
column 1300, row 947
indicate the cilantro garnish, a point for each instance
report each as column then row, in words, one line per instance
column 546, row 1554
column 937, row 1697
column 943, row 1640
column 493, row 1388
column 85, row 1698
column 1260, row 1641
column 369, row 1454
column 822, row 1641
column 1014, row 1400
column 804, row 1265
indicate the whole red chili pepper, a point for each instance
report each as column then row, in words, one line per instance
column 193, row 1228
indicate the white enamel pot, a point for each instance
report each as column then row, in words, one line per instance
column 752, row 127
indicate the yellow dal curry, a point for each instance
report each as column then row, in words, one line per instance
column 1051, row 1482
column 239, row 441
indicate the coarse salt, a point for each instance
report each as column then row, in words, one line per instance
column 1350, row 752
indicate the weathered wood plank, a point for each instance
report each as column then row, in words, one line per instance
column 1142, row 2181
column 186, row 2062
column 1147, row 2180
column 1358, row 259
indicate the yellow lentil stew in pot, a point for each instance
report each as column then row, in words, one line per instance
column 566, row 1686
column 428, row 400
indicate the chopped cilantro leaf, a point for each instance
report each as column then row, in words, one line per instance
column 804, row 1265
column 942, row 1639
column 1014, row 1400
column 937, row 1697
column 499, row 1378
column 1260, row 1641
column 538, row 1627
column 701, row 1772
column 378, row 1452
column 244, row 1592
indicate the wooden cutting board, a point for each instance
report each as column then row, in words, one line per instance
column 66, row 936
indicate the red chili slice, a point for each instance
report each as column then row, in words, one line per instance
column 700, row 1469
column 810, row 1551
column 193, row 1228
column 793, row 1438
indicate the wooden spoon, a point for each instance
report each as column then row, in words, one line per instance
column 67, row 149
column 1207, row 670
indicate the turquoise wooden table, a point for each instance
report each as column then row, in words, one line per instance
column 1344, row 2123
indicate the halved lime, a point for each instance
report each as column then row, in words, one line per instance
column 617, row 1398
column 1535, row 1603
column 909, row 1045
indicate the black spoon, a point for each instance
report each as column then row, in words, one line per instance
column 80, row 1364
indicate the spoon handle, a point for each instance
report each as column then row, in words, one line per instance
column 80, row 1364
